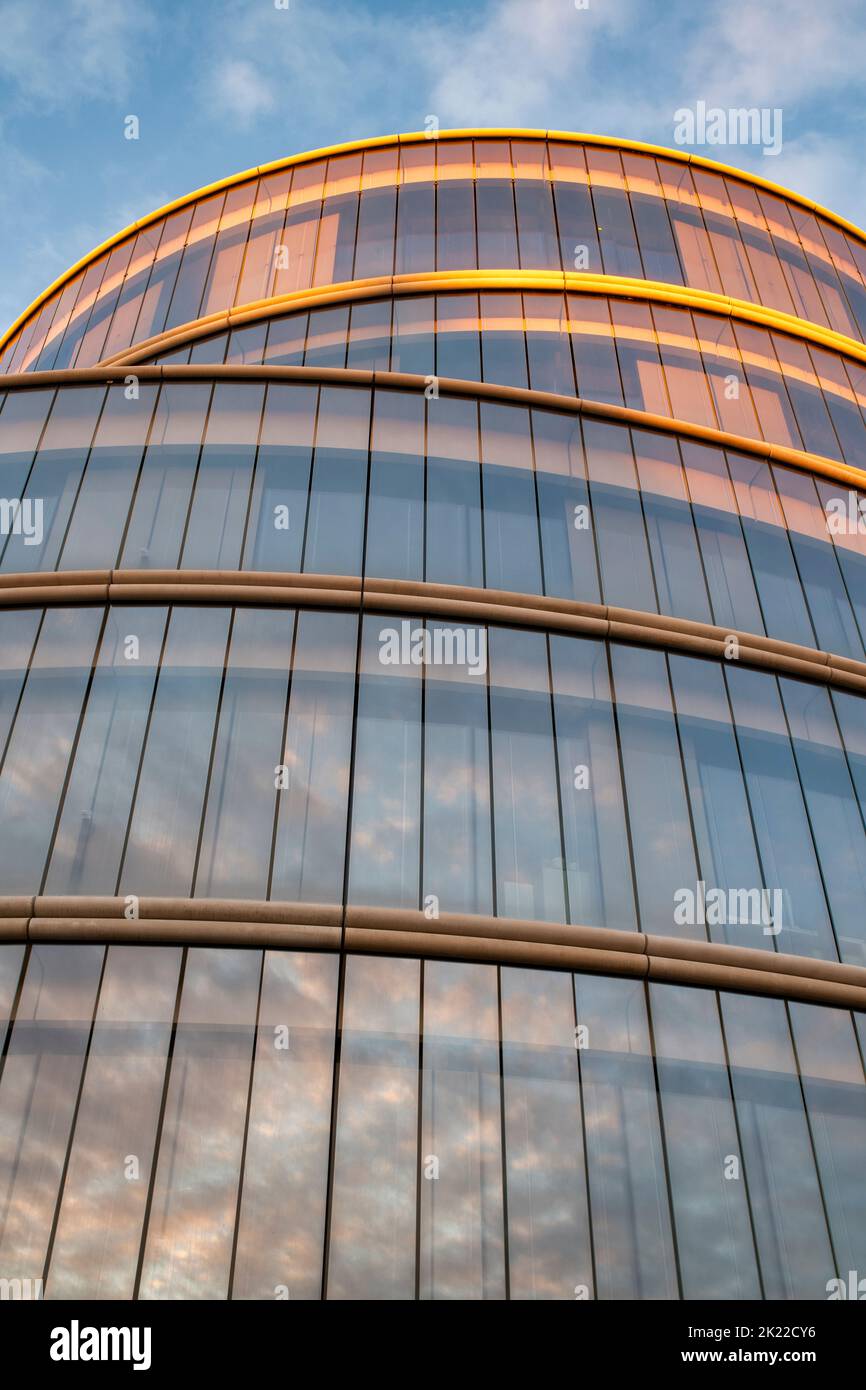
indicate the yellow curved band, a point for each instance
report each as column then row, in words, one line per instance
column 437, row 282
column 420, row 137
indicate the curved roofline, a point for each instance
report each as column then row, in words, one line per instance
column 461, row 281
column 414, row 138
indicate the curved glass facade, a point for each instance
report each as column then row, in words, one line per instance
column 699, row 367
column 274, row 753
column 541, row 725
column 476, row 1152
column 345, row 480
column 442, row 205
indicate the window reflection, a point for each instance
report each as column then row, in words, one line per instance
column 188, row 1249
column 462, row 1251
column 372, row 1245
column 544, row 1135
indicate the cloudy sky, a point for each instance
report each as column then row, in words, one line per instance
column 220, row 85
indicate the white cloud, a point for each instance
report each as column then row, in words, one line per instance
column 55, row 55
column 242, row 90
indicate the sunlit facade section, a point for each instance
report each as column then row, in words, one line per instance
column 433, row 738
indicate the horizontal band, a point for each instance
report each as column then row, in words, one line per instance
column 440, row 282
column 451, row 936
column 424, row 137
column 450, row 602
column 446, row 386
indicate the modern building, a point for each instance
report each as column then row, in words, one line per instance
column 433, row 737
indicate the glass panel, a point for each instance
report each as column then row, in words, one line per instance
column 310, row 841
column 497, row 232
column 512, row 557
column 263, row 250
column 462, row 1253
column 281, row 1223
column 548, row 344
column 762, row 372
column 161, row 848
column 575, row 215
column 628, row 1186
column 384, row 859
column 413, row 348
column 817, row 564
column 455, row 224
column 664, row 860
column 837, row 824
column 18, row 629
column 37, row 754
column 102, row 506
column 217, row 516
column 773, row 566
column 683, row 370
column 374, row 252
column 155, row 298
column 95, row 1252
column 832, row 1080
column 453, row 541
column 503, row 340
column 536, row 222
column 370, row 343
column 278, row 510
column 600, row 890
column 286, row 340
column 235, row 852
column 677, row 567
column 617, row 518
column 549, row 1254
column 568, row 548
column 193, row 273
column 416, row 218
column 779, row 815
column 247, row 345
column 456, row 820
column 38, row 1093
column 195, row 1192
column 458, row 340
column 657, row 246
column 88, row 846
column 708, row 1178
column 526, row 818
column 595, row 359
column 335, row 525
column 373, row 1215
column 613, row 219
column 326, row 338
column 91, row 349
column 21, row 423
column 159, row 511
column 335, row 248
column 784, row 1190
column 11, row 958
column 643, row 381
column 395, row 528
column 49, row 495
column 721, row 819
column 724, row 556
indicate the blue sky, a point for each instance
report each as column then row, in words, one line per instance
column 220, row 85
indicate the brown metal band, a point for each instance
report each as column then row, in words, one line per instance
column 450, row 602
column 451, row 936
column 446, row 386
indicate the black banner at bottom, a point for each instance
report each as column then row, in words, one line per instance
column 84, row 1339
